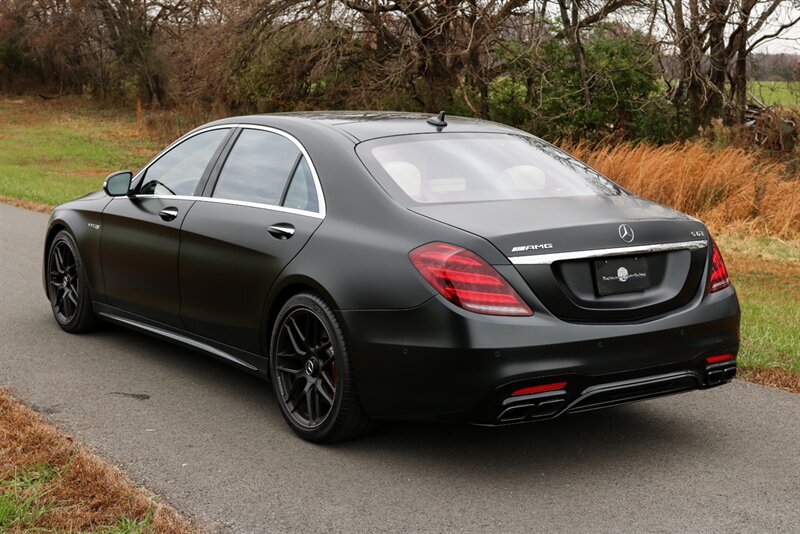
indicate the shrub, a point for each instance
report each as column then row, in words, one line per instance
column 544, row 94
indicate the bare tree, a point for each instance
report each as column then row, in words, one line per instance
column 713, row 39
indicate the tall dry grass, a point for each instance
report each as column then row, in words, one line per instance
column 730, row 189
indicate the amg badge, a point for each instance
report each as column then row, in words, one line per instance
column 525, row 248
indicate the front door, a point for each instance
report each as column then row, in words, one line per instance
column 141, row 233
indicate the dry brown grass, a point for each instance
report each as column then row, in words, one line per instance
column 772, row 377
column 27, row 204
column 87, row 492
column 729, row 188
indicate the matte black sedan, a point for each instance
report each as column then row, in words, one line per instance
column 400, row 266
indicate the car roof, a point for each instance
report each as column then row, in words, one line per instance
column 366, row 125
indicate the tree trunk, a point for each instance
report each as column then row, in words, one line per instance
column 571, row 31
column 718, row 60
column 738, row 46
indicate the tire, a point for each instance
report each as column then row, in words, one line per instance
column 311, row 373
column 68, row 286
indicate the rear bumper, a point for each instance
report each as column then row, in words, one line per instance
column 437, row 361
column 585, row 393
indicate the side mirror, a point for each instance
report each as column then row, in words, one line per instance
column 118, row 184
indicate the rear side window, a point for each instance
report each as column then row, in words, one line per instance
column 257, row 168
column 302, row 193
column 178, row 171
column 439, row 168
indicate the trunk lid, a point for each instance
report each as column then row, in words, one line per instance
column 578, row 254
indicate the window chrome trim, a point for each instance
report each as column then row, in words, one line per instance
column 211, row 200
column 547, row 259
column 317, row 184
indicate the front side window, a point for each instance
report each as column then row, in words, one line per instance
column 257, row 168
column 439, row 168
column 179, row 171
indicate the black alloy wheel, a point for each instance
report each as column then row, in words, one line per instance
column 311, row 372
column 67, row 287
column 306, row 368
column 64, row 283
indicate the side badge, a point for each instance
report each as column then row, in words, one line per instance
column 94, row 226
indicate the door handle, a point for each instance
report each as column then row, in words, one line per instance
column 281, row 230
column 168, row 214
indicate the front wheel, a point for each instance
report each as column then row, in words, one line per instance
column 311, row 373
column 68, row 287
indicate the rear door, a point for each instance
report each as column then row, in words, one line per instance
column 264, row 205
column 141, row 233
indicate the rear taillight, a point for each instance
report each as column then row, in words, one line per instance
column 466, row 280
column 719, row 273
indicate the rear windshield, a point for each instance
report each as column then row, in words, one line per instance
column 438, row 168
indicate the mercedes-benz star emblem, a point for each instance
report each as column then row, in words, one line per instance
column 625, row 233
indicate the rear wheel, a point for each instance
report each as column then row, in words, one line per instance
column 67, row 286
column 311, row 372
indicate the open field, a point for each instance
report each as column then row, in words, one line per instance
column 54, row 151
column 48, row 483
column 51, row 152
column 766, row 273
column 786, row 94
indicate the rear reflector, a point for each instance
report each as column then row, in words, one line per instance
column 720, row 358
column 466, row 280
column 539, row 389
column 719, row 273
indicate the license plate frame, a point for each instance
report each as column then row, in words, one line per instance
column 621, row 274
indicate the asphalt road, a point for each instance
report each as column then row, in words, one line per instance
column 211, row 441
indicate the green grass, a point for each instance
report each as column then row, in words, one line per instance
column 24, row 500
column 766, row 274
column 51, row 153
column 126, row 525
column 786, row 94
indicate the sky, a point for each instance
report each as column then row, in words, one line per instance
column 789, row 45
column 790, row 41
